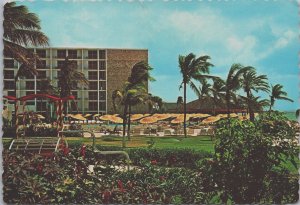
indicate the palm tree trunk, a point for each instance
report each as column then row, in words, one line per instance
column 128, row 127
column 184, row 109
column 15, row 103
column 124, row 125
column 251, row 112
column 228, row 108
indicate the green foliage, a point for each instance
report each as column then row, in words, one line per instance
column 168, row 157
column 248, row 160
column 65, row 178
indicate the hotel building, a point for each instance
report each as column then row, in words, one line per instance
column 105, row 69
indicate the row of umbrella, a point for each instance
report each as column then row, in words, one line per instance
column 149, row 119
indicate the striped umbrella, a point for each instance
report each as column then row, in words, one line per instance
column 148, row 120
column 211, row 119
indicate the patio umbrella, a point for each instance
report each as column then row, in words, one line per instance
column 211, row 119
column 87, row 115
column 78, row 117
column 105, row 117
column 40, row 116
column 148, row 120
column 162, row 116
column 136, row 117
column 200, row 115
column 116, row 119
column 177, row 121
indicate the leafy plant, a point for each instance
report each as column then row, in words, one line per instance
column 249, row 157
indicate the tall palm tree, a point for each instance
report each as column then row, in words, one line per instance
column 218, row 91
column 192, row 68
column 232, row 84
column 20, row 30
column 255, row 102
column 133, row 90
column 252, row 81
column 70, row 78
column 179, row 103
column 278, row 94
column 128, row 97
column 204, row 89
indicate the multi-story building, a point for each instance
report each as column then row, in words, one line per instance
column 105, row 69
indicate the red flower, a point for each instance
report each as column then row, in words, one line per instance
column 82, row 151
column 120, row 185
column 153, row 162
column 106, row 197
column 66, row 150
column 162, row 178
column 39, row 168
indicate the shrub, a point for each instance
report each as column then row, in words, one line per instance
column 64, row 178
column 248, row 158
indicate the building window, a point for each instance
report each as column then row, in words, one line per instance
column 11, row 93
column 41, row 53
column 29, row 76
column 41, row 106
column 61, row 54
column 93, row 106
column 102, row 54
column 9, row 74
column 92, row 75
column 102, row 65
column 29, row 85
column 9, row 63
column 41, row 75
column 102, row 85
column 58, row 74
column 30, row 103
column 60, row 64
column 92, row 54
column 102, row 75
column 9, row 85
column 29, row 92
column 93, row 96
column 41, row 65
column 93, row 85
column 102, row 95
column 72, row 54
column 75, row 94
column 93, row 65
column 102, row 106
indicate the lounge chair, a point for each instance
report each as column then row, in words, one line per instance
column 202, row 132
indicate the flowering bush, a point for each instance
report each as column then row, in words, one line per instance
column 64, row 177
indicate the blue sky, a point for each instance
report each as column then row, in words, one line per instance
column 262, row 34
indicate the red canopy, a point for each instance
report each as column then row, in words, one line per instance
column 33, row 96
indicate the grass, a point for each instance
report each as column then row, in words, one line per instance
column 201, row 143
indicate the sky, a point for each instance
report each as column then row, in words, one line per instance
column 262, row 34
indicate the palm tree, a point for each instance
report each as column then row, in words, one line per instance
column 233, row 83
column 278, row 94
column 47, row 88
column 133, row 91
column 252, row 81
column 70, row 78
column 20, row 30
column 255, row 102
column 218, row 91
column 128, row 97
column 192, row 68
column 154, row 101
column 179, row 103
